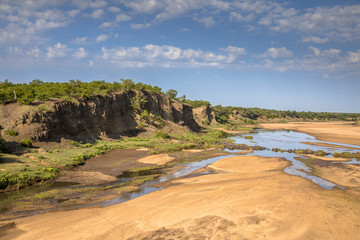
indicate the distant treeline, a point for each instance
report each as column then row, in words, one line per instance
column 223, row 114
column 37, row 90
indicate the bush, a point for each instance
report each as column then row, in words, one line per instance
column 145, row 115
column 11, row 132
column 161, row 134
column 27, row 142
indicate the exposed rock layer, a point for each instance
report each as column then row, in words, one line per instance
column 112, row 115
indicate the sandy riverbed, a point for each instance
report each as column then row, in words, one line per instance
column 250, row 198
column 341, row 132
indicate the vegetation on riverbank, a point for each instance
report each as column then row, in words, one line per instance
column 37, row 165
column 229, row 114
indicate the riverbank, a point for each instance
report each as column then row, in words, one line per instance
column 339, row 131
column 249, row 197
column 116, row 173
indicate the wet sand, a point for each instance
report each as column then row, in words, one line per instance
column 328, row 145
column 341, row 132
column 250, row 197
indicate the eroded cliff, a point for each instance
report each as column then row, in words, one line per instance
column 113, row 115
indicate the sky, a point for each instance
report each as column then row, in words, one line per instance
column 286, row 55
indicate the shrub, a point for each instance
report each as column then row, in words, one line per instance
column 249, row 137
column 161, row 134
column 44, row 108
column 11, row 132
column 145, row 115
column 26, row 142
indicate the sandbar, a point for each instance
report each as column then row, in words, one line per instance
column 249, row 197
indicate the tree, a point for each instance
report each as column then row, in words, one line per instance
column 171, row 93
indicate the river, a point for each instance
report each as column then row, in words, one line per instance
column 269, row 139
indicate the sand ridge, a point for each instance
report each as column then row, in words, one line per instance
column 159, row 159
column 250, row 198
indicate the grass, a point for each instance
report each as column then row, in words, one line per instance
column 11, row 132
column 41, row 166
column 26, row 142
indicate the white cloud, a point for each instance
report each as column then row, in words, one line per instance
column 170, row 56
column 207, row 21
column 91, row 63
column 354, row 57
column 315, row 39
column 34, row 52
column 140, row 25
column 97, row 13
column 80, row 53
column 123, row 17
column 14, row 50
column 22, row 25
column 114, row 9
column 234, row 16
column 277, row 53
column 98, row 4
column 80, row 40
column 58, row 50
column 106, row 24
column 340, row 23
column 102, row 38
column 315, row 51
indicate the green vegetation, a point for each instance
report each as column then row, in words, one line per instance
column 11, row 132
column 171, row 93
column 347, row 155
column 41, row 165
column 249, row 115
column 26, row 142
column 161, row 134
column 38, row 90
column 195, row 103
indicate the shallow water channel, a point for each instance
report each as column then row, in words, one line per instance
column 281, row 139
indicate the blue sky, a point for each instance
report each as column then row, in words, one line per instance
column 297, row 55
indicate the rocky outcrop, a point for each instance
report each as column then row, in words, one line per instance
column 204, row 115
column 113, row 115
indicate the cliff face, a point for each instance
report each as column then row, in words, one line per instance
column 112, row 115
column 204, row 115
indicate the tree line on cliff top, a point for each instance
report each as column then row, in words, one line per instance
column 37, row 90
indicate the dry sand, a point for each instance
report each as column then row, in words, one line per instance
column 159, row 159
column 250, row 198
column 341, row 132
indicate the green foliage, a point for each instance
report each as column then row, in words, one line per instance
column 159, row 119
column 249, row 115
column 145, row 115
column 171, row 93
column 161, row 134
column 196, row 103
column 11, row 132
column 137, row 101
column 26, row 142
column 38, row 90
column 44, row 108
